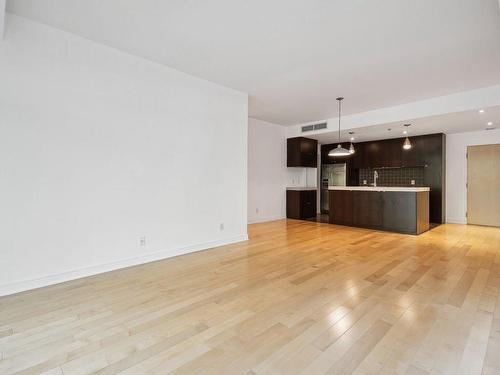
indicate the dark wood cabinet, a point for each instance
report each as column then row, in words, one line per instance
column 300, row 204
column 428, row 152
column 302, row 152
column 379, row 154
column 399, row 212
column 371, row 155
column 367, row 209
column 392, row 153
column 403, row 212
column 340, row 210
column 417, row 154
column 434, row 175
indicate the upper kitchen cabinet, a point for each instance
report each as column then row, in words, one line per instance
column 302, row 152
column 370, row 154
column 416, row 156
column 378, row 154
column 391, row 153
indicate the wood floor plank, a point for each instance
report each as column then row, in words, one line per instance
column 297, row 298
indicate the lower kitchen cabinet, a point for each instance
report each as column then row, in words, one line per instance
column 403, row 212
column 367, row 208
column 342, row 206
column 300, row 204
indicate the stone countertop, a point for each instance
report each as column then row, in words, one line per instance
column 301, row 188
column 380, row 188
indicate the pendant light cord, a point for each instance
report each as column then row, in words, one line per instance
column 340, row 103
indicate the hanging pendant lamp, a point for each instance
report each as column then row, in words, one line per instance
column 407, row 143
column 339, row 151
column 351, row 147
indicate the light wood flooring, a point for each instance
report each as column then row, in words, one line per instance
column 297, row 298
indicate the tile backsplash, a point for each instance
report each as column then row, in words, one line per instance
column 393, row 176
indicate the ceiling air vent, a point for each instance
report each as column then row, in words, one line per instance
column 310, row 128
column 320, row 126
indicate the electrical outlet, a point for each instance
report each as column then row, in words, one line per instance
column 412, row 182
column 221, row 226
column 364, row 182
column 142, row 241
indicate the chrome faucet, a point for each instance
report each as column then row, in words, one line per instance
column 375, row 178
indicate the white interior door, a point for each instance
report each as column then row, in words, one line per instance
column 483, row 185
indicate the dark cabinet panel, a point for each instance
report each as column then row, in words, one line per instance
column 434, row 175
column 340, row 207
column 300, row 204
column 379, row 154
column 292, row 204
column 367, row 208
column 417, row 154
column 302, row 152
column 308, row 204
column 399, row 212
column 371, row 155
column 391, row 154
column 404, row 212
column 356, row 158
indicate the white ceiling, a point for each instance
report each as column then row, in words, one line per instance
column 457, row 122
column 295, row 56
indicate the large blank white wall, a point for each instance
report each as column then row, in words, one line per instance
column 456, row 170
column 99, row 148
column 267, row 172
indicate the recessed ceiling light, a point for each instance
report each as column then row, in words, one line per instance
column 389, row 129
column 489, row 123
column 405, row 132
column 352, row 138
column 481, row 111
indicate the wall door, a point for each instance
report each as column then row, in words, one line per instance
column 483, row 185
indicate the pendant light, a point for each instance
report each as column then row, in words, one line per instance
column 407, row 143
column 351, row 147
column 339, row 151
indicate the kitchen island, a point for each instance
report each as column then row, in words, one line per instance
column 395, row 209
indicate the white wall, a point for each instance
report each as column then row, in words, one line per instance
column 267, row 172
column 2, row 17
column 456, row 170
column 99, row 148
column 268, row 175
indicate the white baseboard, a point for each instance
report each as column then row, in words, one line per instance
column 264, row 219
column 21, row 286
column 456, row 221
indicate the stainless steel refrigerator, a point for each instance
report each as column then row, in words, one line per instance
column 331, row 175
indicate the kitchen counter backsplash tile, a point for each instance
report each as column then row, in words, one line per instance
column 393, row 176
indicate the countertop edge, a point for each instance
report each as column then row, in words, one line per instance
column 381, row 188
column 301, row 188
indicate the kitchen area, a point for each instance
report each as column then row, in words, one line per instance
column 395, row 184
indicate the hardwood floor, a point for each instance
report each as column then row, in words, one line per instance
column 297, row 298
